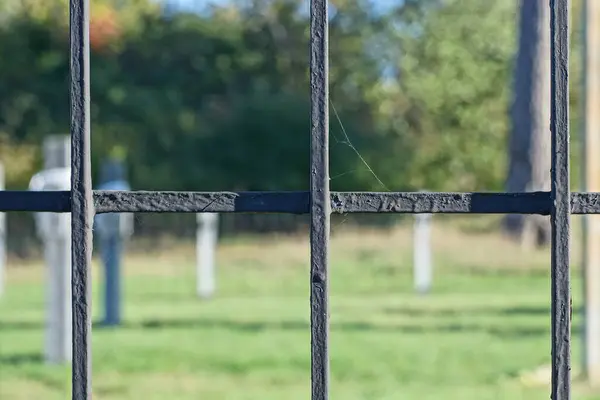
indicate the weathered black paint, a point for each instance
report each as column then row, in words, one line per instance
column 320, row 202
column 16, row 200
column 299, row 202
column 81, row 202
column 82, row 207
column 560, row 196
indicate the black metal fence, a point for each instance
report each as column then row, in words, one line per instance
column 82, row 202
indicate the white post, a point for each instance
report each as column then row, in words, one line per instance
column 3, row 251
column 57, row 251
column 57, row 152
column 206, row 243
column 422, row 268
column 55, row 231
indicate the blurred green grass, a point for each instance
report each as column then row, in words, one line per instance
column 485, row 324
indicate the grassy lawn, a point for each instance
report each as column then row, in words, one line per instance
column 481, row 334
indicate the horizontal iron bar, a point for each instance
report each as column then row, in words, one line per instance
column 298, row 202
column 14, row 200
column 194, row 202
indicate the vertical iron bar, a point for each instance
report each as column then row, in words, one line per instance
column 560, row 193
column 320, row 207
column 81, row 198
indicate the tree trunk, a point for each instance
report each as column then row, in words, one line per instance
column 529, row 148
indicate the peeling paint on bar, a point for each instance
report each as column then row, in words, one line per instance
column 561, row 207
column 82, row 207
column 196, row 202
column 414, row 203
column 319, row 202
column 341, row 202
column 320, row 199
column 298, row 202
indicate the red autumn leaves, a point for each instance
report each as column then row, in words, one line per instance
column 104, row 27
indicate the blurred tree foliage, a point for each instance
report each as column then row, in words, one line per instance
column 219, row 100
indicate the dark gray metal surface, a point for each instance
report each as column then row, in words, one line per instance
column 560, row 213
column 82, row 207
column 81, row 201
column 341, row 202
column 299, row 202
column 320, row 203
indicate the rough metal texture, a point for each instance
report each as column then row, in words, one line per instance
column 299, row 202
column 560, row 212
column 341, row 202
column 282, row 202
column 82, row 207
column 486, row 203
column 320, row 203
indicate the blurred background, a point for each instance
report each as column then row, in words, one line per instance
column 213, row 95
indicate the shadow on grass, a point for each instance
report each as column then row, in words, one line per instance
column 21, row 359
column 259, row 326
column 482, row 271
column 511, row 330
column 16, row 325
column 492, row 311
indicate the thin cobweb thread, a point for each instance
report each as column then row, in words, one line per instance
column 349, row 143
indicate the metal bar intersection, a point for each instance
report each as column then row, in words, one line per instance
column 82, row 202
column 299, row 202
